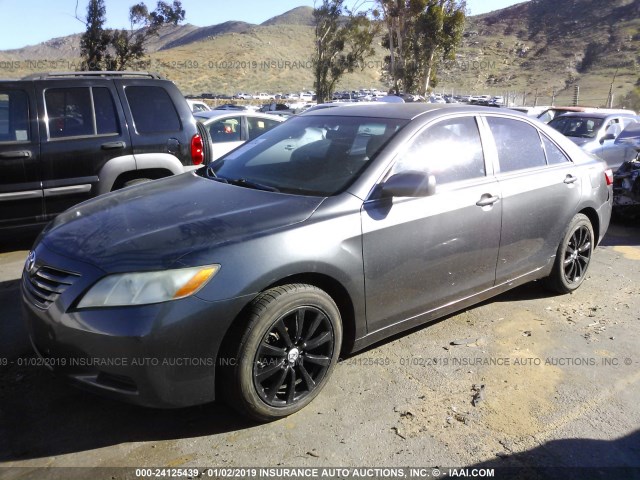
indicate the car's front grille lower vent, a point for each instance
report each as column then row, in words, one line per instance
column 47, row 284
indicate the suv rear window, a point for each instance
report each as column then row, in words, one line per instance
column 14, row 116
column 152, row 110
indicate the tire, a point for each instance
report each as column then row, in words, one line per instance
column 285, row 353
column 573, row 256
column 203, row 131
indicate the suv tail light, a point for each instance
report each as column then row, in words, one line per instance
column 197, row 150
column 608, row 174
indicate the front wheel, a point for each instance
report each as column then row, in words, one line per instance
column 286, row 352
column 573, row 256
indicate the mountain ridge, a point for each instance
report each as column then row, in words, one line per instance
column 530, row 49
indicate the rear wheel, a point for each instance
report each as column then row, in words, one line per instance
column 286, row 353
column 573, row 256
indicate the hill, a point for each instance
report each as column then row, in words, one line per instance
column 542, row 46
column 298, row 16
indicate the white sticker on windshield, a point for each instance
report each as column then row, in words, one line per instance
column 21, row 136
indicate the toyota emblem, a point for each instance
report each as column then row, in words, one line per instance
column 31, row 262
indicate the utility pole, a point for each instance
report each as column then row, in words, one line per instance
column 535, row 101
column 610, row 97
column 576, row 95
column 553, row 97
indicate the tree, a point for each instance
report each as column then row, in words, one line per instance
column 341, row 44
column 95, row 40
column 120, row 49
column 440, row 29
column 419, row 34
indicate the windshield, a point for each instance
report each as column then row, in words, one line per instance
column 631, row 132
column 307, row 155
column 581, row 127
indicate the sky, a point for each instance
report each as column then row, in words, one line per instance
column 28, row 22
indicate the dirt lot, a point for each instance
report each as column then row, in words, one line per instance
column 555, row 381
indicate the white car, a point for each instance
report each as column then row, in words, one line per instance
column 243, row 96
column 229, row 129
column 198, row 106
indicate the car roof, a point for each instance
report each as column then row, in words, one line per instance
column 405, row 111
column 230, row 113
column 595, row 115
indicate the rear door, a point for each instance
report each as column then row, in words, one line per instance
column 158, row 115
column 540, row 190
column 20, row 188
column 84, row 128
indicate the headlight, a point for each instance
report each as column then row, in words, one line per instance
column 147, row 287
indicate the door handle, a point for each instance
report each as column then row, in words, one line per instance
column 289, row 147
column 569, row 179
column 487, row 200
column 16, row 154
column 112, row 145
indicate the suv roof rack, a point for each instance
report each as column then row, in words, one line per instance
column 108, row 73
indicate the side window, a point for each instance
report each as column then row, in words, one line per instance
column 226, row 130
column 14, row 116
column 519, row 146
column 554, row 154
column 106, row 116
column 69, row 111
column 257, row 126
column 152, row 110
column 450, row 150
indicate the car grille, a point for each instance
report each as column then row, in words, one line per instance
column 47, row 284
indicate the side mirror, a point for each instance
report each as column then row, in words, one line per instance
column 409, row 184
column 607, row 136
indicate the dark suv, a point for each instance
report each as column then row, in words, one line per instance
column 67, row 137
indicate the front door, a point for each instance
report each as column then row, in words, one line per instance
column 424, row 253
column 21, row 195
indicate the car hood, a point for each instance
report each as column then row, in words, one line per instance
column 153, row 225
column 581, row 142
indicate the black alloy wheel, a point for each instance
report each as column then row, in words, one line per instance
column 573, row 256
column 284, row 348
column 294, row 356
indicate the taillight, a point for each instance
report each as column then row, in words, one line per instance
column 197, row 150
column 608, row 174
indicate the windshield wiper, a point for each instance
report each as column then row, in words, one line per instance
column 210, row 172
column 243, row 182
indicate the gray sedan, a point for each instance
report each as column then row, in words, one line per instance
column 596, row 132
column 245, row 279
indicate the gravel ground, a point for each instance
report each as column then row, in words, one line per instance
column 526, row 379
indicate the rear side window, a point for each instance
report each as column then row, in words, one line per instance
column 554, row 154
column 14, row 116
column 106, row 117
column 450, row 150
column 226, row 130
column 81, row 111
column 258, row 126
column 152, row 110
column 69, row 111
column 518, row 143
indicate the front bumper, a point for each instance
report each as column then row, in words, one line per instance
column 163, row 355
